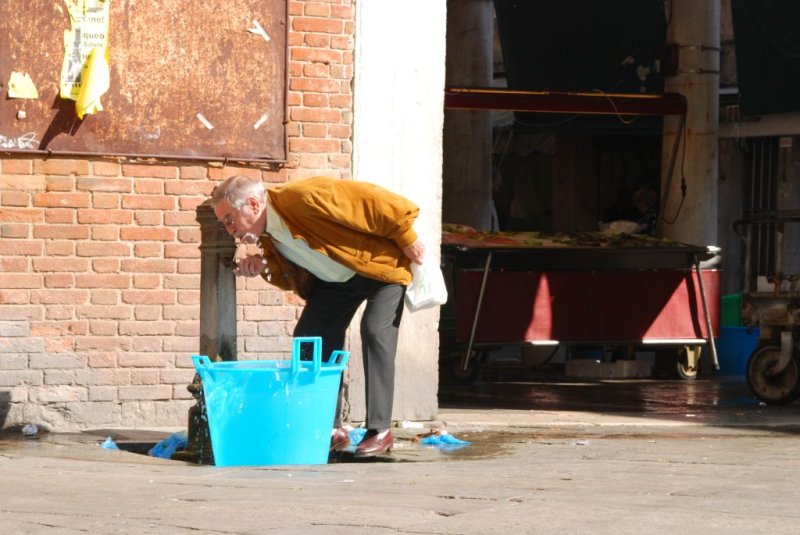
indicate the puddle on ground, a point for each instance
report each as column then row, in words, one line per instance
column 87, row 446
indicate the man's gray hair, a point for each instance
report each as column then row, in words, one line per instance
column 236, row 190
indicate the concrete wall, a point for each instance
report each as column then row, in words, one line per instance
column 99, row 259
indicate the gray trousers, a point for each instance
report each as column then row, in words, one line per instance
column 329, row 311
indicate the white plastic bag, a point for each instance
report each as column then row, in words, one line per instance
column 427, row 288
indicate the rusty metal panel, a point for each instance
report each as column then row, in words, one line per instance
column 169, row 61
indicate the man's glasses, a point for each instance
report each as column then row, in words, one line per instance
column 229, row 219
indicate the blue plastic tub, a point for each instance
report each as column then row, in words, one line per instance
column 734, row 346
column 272, row 412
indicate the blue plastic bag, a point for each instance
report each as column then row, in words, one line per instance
column 109, row 444
column 171, row 444
column 445, row 441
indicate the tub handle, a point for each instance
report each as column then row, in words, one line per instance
column 339, row 357
column 203, row 364
column 316, row 357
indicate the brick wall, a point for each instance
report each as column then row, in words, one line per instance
column 99, row 259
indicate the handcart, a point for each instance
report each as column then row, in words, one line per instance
column 579, row 289
column 771, row 301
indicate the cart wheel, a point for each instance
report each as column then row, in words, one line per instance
column 688, row 362
column 473, row 367
column 771, row 388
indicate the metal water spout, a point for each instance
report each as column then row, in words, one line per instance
column 217, row 323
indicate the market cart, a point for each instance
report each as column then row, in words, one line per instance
column 579, row 289
column 771, row 301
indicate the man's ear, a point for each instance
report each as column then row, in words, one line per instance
column 255, row 204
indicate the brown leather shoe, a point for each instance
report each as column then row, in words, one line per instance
column 375, row 443
column 339, row 439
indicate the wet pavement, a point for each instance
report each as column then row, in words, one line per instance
column 548, row 455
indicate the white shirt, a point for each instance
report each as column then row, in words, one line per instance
column 298, row 251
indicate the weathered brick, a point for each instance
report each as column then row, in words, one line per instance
column 147, row 266
column 149, row 171
column 146, row 328
column 21, row 377
column 68, row 232
column 59, row 280
column 106, row 265
column 308, row 24
column 163, row 297
column 30, row 215
column 105, row 311
column 144, row 377
column 106, row 168
column 106, row 200
column 94, row 250
column 104, row 297
column 148, row 202
column 22, row 182
column 148, row 249
column 105, row 232
column 193, row 172
column 14, row 361
column 181, row 250
column 145, row 360
column 59, row 296
column 59, row 215
column 147, row 312
column 15, row 230
column 102, row 393
column 50, row 361
column 106, row 280
column 59, row 377
column 189, row 265
column 146, row 281
column 57, row 394
column 105, row 217
column 317, row 9
column 20, row 280
column 97, row 413
column 122, row 185
column 61, row 200
column 15, row 198
column 181, row 281
column 145, row 187
column 95, row 377
column 57, row 166
column 315, row 54
column 14, row 297
column 318, row 85
column 148, row 344
column 102, row 343
column 13, row 264
column 60, row 248
column 17, row 166
column 147, row 234
column 148, row 217
column 188, row 188
column 102, row 360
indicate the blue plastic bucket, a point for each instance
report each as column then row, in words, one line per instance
column 734, row 346
column 272, row 412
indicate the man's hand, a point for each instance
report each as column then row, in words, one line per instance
column 415, row 251
column 250, row 266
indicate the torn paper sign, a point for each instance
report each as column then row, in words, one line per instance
column 95, row 81
column 89, row 30
column 20, row 85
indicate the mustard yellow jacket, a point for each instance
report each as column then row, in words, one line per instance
column 360, row 225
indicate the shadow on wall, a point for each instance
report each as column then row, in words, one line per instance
column 5, row 407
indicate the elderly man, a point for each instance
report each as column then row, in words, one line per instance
column 336, row 243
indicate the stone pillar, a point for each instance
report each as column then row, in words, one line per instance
column 694, row 29
column 398, row 105
column 467, row 166
column 217, row 323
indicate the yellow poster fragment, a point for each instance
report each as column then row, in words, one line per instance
column 20, row 85
column 85, row 70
